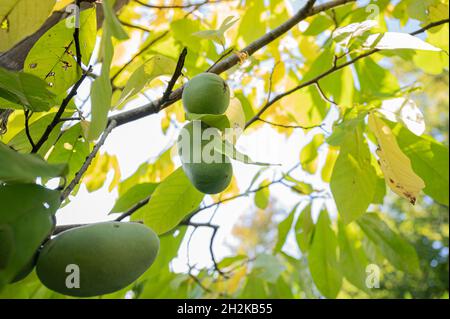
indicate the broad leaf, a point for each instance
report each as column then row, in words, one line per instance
column 101, row 90
column 14, row 27
column 133, row 196
column 397, row 250
column 24, row 225
column 52, row 56
column 352, row 258
column 70, row 149
column 267, row 267
column 173, row 200
column 323, row 263
column 19, row 90
column 262, row 196
column 21, row 168
column 429, row 159
column 284, row 228
column 309, row 153
column 404, row 111
column 397, row 40
column 152, row 68
column 112, row 22
column 354, row 178
column 395, row 165
column 304, row 228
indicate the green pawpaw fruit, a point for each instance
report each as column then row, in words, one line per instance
column 26, row 270
column 206, row 93
column 207, row 169
column 97, row 259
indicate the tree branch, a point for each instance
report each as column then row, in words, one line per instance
column 134, row 26
column 14, row 58
column 331, row 70
column 181, row 6
column 88, row 161
column 230, row 61
column 133, row 209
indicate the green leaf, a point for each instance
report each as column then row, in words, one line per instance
column 16, row 167
column 21, row 143
column 262, row 197
column 20, row 90
column 133, row 196
column 283, row 229
column 21, row 18
column 330, row 160
column 429, row 160
column 252, row 25
column 353, row 32
column 183, row 31
column 304, row 228
column 309, row 153
column 267, row 267
column 51, row 57
column 71, row 149
column 227, row 148
column 172, row 200
column 323, row 263
column 319, row 24
column 101, row 90
column 376, row 82
column 152, row 68
column 112, row 22
column 217, row 35
column 352, row 258
column 397, row 250
column 234, row 118
column 254, row 288
column 397, row 40
column 24, row 225
column 354, row 178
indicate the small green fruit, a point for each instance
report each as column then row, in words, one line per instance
column 206, row 93
column 207, row 169
column 26, row 270
column 106, row 257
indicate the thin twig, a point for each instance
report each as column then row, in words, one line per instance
column 271, row 81
column 88, row 161
column 161, row 36
column 134, row 26
column 175, row 76
column 27, row 114
column 222, row 56
column 291, row 126
column 68, row 119
column 181, row 6
column 76, row 35
column 133, row 209
column 323, row 95
column 60, row 112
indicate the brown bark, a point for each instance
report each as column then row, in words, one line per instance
column 14, row 58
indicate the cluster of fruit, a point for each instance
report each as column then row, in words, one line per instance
column 105, row 257
column 208, row 169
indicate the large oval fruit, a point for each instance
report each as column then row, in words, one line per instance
column 206, row 93
column 107, row 256
column 208, row 170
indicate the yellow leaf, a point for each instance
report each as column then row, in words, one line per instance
column 395, row 165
